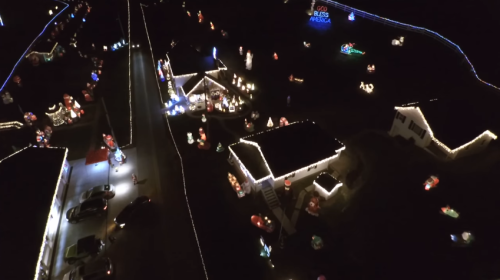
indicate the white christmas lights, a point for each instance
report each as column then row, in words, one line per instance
column 129, row 79
column 325, row 192
column 39, row 262
column 14, row 124
column 224, row 67
column 487, row 132
column 13, row 154
column 181, row 161
column 240, row 162
column 194, row 87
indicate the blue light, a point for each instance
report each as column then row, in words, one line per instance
column 322, row 17
column 429, row 32
column 214, row 52
column 83, row 20
column 351, row 16
column 72, row 15
column 24, row 54
column 1, row 21
column 94, row 77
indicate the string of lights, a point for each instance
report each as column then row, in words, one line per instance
column 243, row 140
column 14, row 124
column 129, row 80
column 409, row 27
column 29, row 47
column 180, row 157
column 240, row 162
column 42, row 249
column 13, row 154
column 487, row 132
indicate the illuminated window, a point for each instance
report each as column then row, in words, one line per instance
column 400, row 117
column 417, row 129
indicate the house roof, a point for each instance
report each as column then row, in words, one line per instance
column 250, row 157
column 193, row 82
column 29, row 179
column 185, row 59
column 454, row 122
column 326, row 181
column 298, row 145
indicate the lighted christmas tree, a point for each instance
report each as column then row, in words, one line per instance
column 220, row 149
column 270, row 123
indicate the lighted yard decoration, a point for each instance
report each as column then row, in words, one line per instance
column 275, row 56
column 109, row 142
column 255, row 115
column 248, row 61
column 349, row 49
column 283, row 122
column 295, row 80
column 241, row 53
column 200, row 17
column 398, row 42
column 321, row 15
column 432, row 182
column 29, row 118
column 249, row 126
column 351, row 16
column 56, row 114
column 370, row 68
column 40, row 139
column 72, row 105
column 212, row 26
column 7, row 98
column 87, row 96
column 265, row 251
column 463, row 239
column 48, row 132
column 450, row 212
column 219, row 149
column 313, row 206
column 17, row 80
column 203, row 143
column 236, row 186
column 190, row 138
column 203, row 118
column 307, row 45
column 270, row 123
column 368, row 88
column 263, row 223
column 317, row 242
column 189, row 14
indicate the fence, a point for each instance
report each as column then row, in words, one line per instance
column 411, row 28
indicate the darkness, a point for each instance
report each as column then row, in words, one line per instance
column 392, row 229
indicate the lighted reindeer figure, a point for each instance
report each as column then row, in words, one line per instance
column 366, row 87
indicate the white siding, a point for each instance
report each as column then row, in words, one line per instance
column 475, row 147
column 402, row 129
column 303, row 173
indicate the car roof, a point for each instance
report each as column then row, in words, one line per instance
column 95, row 266
column 87, row 244
column 97, row 202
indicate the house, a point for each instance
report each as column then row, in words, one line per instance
column 45, row 51
column 284, row 153
column 447, row 129
column 188, row 67
column 33, row 184
column 326, row 185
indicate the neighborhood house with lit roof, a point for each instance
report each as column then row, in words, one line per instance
column 446, row 129
column 290, row 153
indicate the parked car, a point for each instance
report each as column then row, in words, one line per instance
column 124, row 216
column 91, row 207
column 104, row 191
column 84, row 247
column 96, row 270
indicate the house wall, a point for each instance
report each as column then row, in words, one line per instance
column 302, row 173
column 475, row 147
column 402, row 128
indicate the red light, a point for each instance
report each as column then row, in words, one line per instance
column 105, row 207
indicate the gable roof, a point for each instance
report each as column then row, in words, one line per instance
column 29, row 179
column 291, row 148
column 185, row 59
column 454, row 123
column 251, row 159
column 196, row 80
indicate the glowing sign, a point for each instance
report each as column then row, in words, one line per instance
column 215, row 53
column 321, row 15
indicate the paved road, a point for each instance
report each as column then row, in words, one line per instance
column 173, row 241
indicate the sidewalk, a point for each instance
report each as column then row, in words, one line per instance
column 84, row 177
